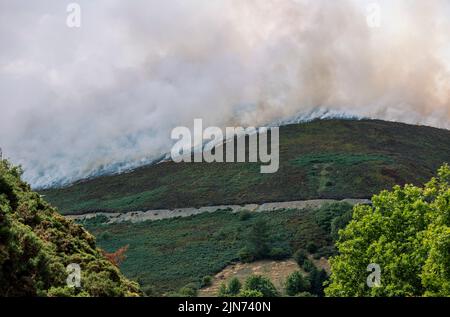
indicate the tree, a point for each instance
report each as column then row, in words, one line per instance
column 234, row 286
column 296, row 283
column 259, row 239
column 407, row 233
column 261, row 284
column 300, row 256
column 317, row 279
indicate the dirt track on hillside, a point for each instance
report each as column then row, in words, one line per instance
column 140, row 216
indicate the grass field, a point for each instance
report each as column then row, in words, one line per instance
column 168, row 254
column 321, row 159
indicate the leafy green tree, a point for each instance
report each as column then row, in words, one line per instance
column 407, row 233
column 300, row 256
column 261, row 284
column 296, row 283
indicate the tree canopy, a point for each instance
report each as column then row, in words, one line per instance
column 407, row 233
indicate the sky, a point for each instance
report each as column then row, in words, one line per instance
column 104, row 97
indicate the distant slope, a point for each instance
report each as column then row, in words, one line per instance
column 333, row 159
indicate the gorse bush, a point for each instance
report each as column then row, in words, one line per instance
column 36, row 245
column 407, row 233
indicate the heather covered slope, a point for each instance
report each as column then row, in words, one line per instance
column 321, row 159
column 36, row 245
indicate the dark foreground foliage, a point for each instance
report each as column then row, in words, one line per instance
column 37, row 244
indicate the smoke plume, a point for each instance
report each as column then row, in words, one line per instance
column 75, row 102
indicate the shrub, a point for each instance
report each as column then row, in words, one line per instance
column 308, row 266
column 245, row 215
column 326, row 252
column 246, row 255
column 223, row 291
column 317, row 279
column 234, row 287
column 190, row 290
column 250, row 293
column 325, row 215
column 259, row 239
column 339, row 223
column 206, row 281
column 278, row 254
column 296, row 283
column 300, row 256
column 311, row 247
column 305, row 294
column 261, row 284
column 149, row 291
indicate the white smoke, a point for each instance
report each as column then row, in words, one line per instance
column 104, row 97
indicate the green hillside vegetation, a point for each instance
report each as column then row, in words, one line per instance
column 322, row 159
column 166, row 255
column 37, row 243
column 407, row 233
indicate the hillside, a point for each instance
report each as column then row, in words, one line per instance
column 166, row 255
column 37, row 244
column 333, row 159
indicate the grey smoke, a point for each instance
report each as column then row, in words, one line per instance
column 104, row 98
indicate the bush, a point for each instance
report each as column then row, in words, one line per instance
column 311, row 247
column 308, row 266
column 149, row 291
column 190, row 290
column 339, row 223
column 300, row 256
column 234, row 287
column 246, row 255
column 326, row 252
column 223, row 291
column 250, row 294
column 305, row 294
column 259, row 239
column 278, row 254
column 245, row 215
column 296, row 283
column 206, row 281
column 325, row 215
column 317, row 278
column 261, row 284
